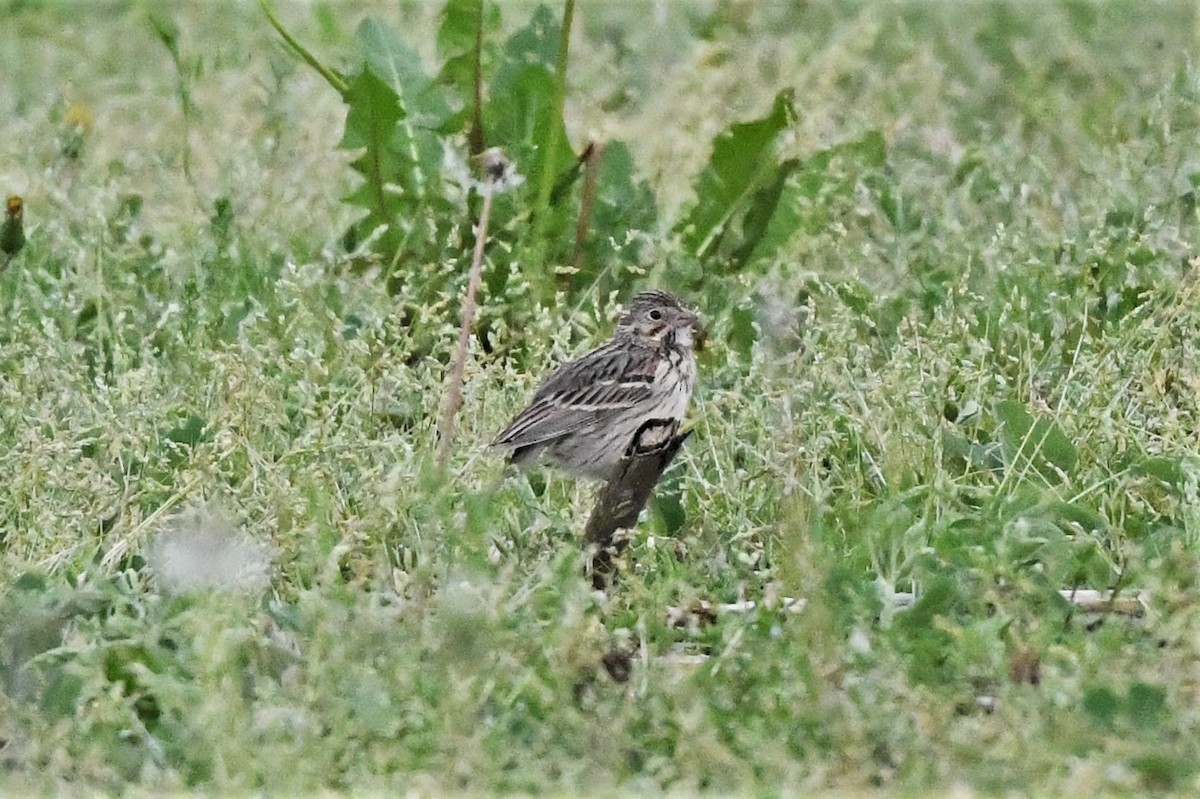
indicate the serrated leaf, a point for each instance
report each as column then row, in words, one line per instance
column 464, row 56
column 460, row 20
column 374, row 111
column 400, row 68
column 396, row 111
column 521, row 118
column 743, row 160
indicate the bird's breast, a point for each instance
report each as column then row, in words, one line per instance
column 676, row 378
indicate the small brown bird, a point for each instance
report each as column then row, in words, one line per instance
column 12, row 231
column 584, row 416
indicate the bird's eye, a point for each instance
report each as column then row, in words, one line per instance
column 656, row 315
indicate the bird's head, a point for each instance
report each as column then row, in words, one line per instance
column 657, row 317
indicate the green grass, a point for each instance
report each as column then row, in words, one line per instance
column 969, row 372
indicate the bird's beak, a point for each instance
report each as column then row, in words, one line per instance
column 686, row 319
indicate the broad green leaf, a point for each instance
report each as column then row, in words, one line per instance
column 371, row 125
column 762, row 205
column 537, row 42
column 929, row 630
column 189, row 433
column 400, row 68
column 1087, row 565
column 1168, row 470
column 30, row 581
column 1086, row 518
column 460, row 23
column 620, row 197
column 744, row 160
column 974, row 455
column 939, row 598
column 668, row 506
column 409, row 156
column 423, row 108
column 521, row 118
column 742, row 331
column 622, row 203
column 464, row 56
column 800, row 207
column 520, row 113
column 1035, row 442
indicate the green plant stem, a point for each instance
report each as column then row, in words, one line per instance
column 168, row 34
column 325, row 72
column 550, row 157
column 594, row 151
column 475, row 137
column 454, row 390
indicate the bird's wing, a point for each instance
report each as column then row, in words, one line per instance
column 606, row 380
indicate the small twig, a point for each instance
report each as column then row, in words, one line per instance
column 499, row 174
column 594, row 151
column 625, row 494
column 454, row 392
